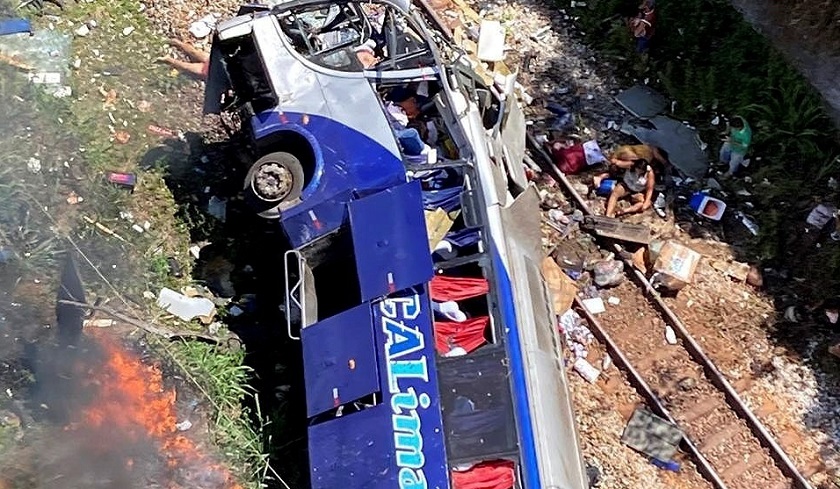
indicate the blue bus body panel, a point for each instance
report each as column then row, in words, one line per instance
column 399, row 443
column 356, row 451
column 389, row 239
column 345, row 161
column 319, row 219
column 527, row 443
column 340, row 358
column 410, row 389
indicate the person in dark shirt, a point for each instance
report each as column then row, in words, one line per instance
column 643, row 25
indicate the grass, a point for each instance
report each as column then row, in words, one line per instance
column 223, row 378
column 75, row 140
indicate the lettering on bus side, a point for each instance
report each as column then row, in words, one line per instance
column 407, row 363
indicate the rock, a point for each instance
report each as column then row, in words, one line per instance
column 34, row 165
column 686, row 383
column 82, row 31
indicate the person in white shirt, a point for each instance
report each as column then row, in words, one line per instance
column 637, row 185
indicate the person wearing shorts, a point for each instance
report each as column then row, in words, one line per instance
column 637, row 186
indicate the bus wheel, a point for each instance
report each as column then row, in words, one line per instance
column 276, row 178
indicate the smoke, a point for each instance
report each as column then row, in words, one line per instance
column 101, row 418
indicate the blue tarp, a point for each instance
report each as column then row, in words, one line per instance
column 15, row 26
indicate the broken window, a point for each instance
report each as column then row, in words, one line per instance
column 404, row 48
column 328, row 35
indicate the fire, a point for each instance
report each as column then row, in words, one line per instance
column 131, row 403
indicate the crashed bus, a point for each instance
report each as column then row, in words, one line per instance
column 430, row 350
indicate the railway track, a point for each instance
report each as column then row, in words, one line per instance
column 730, row 446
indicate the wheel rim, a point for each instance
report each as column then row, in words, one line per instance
column 272, row 182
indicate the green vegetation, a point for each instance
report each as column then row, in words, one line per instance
column 75, row 141
column 710, row 61
column 222, row 378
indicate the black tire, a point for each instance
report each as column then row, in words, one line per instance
column 276, row 178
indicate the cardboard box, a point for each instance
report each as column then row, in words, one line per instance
column 563, row 289
column 675, row 265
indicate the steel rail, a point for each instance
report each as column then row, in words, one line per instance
column 692, row 347
column 621, row 361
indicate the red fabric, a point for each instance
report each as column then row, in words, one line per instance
column 469, row 335
column 569, row 160
column 457, row 288
column 498, row 474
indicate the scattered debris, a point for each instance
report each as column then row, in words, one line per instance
column 98, row 323
column 34, row 165
column 122, row 137
column 73, row 198
column 594, row 305
column 821, row 215
column 670, row 465
column 183, row 425
column 707, row 206
column 217, row 208
column 586, row 370
column 563, row 289
column 124, row 180
column 491, row 41
column 652, row 435
column 608, row 273
column 6, row 255
column 614, row 301
column 203, row 27
column 82, row 31
column 175, row 269
column 748, row 223
column 610, row 227
column 103, row 228
column 738, row 271
column 674, row 266
column 186, row 308
column 670, row 335
column 755, row 277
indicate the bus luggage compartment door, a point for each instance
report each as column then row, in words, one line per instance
column 339, row 355
column 390, row 241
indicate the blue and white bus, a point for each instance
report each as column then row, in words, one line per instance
column 430, row 349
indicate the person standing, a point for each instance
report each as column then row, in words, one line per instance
column 736, row 145
column 643, row 26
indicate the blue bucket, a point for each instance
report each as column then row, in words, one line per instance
column 605, row 188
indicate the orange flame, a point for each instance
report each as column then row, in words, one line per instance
column 132, row 401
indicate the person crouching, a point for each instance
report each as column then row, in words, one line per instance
column 636, row 186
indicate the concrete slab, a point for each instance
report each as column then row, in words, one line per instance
column 681, row 142
column 642, row 101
